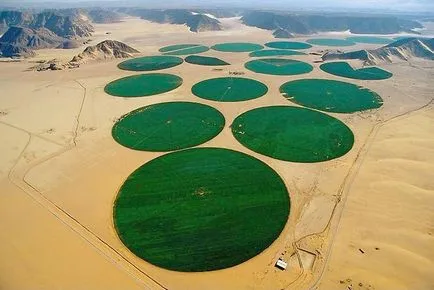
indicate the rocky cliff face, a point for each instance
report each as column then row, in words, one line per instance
column 30, row 38
column 202, row 22
column 10, row 50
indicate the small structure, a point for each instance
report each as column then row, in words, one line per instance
column 281, row 264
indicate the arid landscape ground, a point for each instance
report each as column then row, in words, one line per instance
column 362, row 221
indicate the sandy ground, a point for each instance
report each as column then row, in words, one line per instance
column 60, row 171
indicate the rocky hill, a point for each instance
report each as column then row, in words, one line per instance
column 282, row 33
column 30, row 38
column 10, row 50
column 314, row 23
column 401, row 50
column 202, row 22
column 108, row 49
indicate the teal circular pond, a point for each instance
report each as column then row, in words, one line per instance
column 370, row 39
column 229, row 89
column 168, row 126
column 344, row 69
column 184, row 49
column 278, row 66
column 237, row 47
column 330, row 42
column 150, row 63
column 275, row 52
column 288, row 45
column 293, row 134
column 201, row 209
column 143, row 85
column 205, row 60
column 331, row 96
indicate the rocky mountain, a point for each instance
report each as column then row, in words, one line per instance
column 282, row 33
column 30, row 38
column 108, row 49
column 402, row 50
column 202, row 22
column 314, row 23
column 103, row 16
column 10, row 50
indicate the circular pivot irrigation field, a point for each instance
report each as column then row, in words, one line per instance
column 237, row 47
column 275, row 52
column 229, row 89
column 143, row 85
column 278, row 66
column 183, row 49
column 370, row 39
column 330, row 42
column 205, row 60
column 344, row 69
column 168, row 126
column 293, row 134
column 150, row 63
column 201, row 209
column 288, row 45
column 331, row 96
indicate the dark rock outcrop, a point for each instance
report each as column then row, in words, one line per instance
column 108, row 49
column 14, row 51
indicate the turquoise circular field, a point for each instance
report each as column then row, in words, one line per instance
column 330, row 42
column 168, row 126
column 288, row 45
column 183, row 49
column 205, row 60
column 143, row 85
column 344, row 69
column 370, row 39
column 275, row 52
column 293, row 134
column 229, row 89
column 201, row 209
column 278, row 66
column 150, row 63
column 331, row 96
column 237, row 47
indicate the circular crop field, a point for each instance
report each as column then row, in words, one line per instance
column 201, row 209
column 278, row 66
column 183, row 49
column 150, row 63
column 331, row 96
column 330, row 42
column 205, row 60
column 288, row 45
column 143, row 85
column 168, row 126
column 370, row 39
column 275, row 52
column 237, row 47
column 344, row 69
column 229, row 89
column 293, row 134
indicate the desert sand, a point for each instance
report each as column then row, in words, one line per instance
column 60, row 171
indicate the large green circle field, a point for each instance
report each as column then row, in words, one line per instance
column 293, row 134
column 237, row 47
column 330, row 42
column 150, row 63
column 205, row 60
column 288, row 45
column 278, row 66
column 201, row 209
column 275, row 52
column 168, row 126
column 143, row 85
column 370, row 39
column 183, row 49
column 331, row 96
column 229, row 89
column 344, row 69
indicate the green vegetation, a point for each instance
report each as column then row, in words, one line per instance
column 370, row 39
column 288, row 45
column 229, row 89
column 237, row 47
column 205, row 60
column 278, row 66
column 331, row 96
column 343, row 69
column 275, row 52
column 293, row 134
column 330, row 42
column 189, row 50
column 176, row 47
column 150, row 63
column 201, row 209
column 143, row 85
column 168, row 126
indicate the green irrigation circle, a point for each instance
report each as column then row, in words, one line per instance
column 143, row 85
column 201, row 209
column 183, row 49
column 275, row 52
column 150, row 63
column 229, row 89
column 237, row 47
column 293, row 134
column 331, row 96
column 370, row 39
column 168, row 126
column 288, row 45
column 205, row 60
column 344, row 69
column 330, row 42
column 278, row 66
